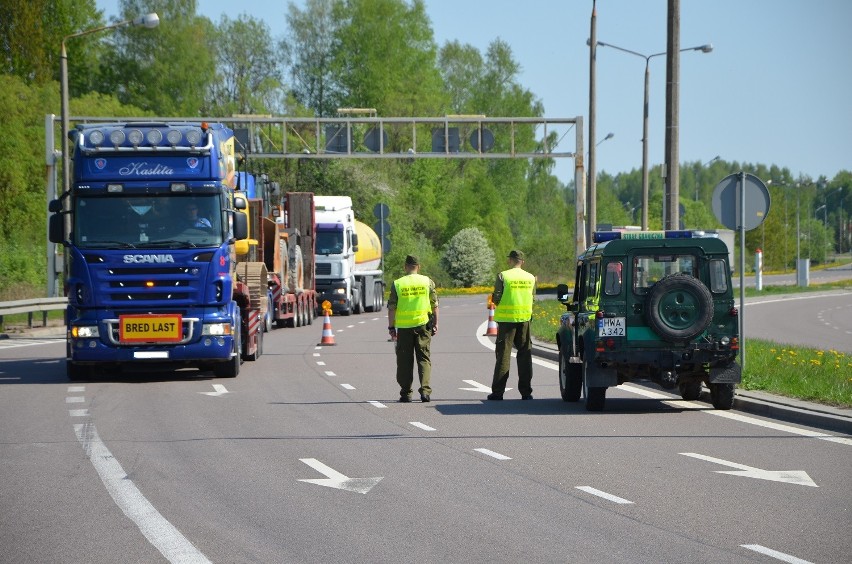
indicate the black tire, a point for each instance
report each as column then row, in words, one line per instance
column 231, row 368
column 570, row 379
column 267, row 319
column 76, row 372
column 691, row 390
column 595, row 398
column 722, row 395
column 679, row 307
column 359, row 303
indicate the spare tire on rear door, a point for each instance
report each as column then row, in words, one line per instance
column 679, row 307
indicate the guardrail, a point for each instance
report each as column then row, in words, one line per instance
column 32, row 306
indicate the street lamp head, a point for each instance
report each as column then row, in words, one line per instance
column 705, row 48
column 148, row 20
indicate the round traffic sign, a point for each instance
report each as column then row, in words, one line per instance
column 735, row 190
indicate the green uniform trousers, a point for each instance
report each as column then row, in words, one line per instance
column 508, row 334
column 412, row 343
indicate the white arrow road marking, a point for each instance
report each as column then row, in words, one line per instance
column 493, row 454
column 610, row 497
column 775, row 554
column 335, row 479
column 477, row 387
column 789, row 476
column 219, row 390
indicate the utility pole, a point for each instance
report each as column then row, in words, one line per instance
column 592, row 197
column 672, row 170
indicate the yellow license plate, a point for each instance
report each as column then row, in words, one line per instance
column 153, row 328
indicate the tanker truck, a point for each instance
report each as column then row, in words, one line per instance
column 348, row 258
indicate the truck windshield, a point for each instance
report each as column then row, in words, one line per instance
column 329, row 242
column 121, row 221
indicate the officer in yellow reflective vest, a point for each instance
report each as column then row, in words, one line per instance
column 513, row 294
column 412, row 321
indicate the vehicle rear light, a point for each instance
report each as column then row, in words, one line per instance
column 610, row 344
column 733, row 312
column 735, row 343
column 599, row 346
column 599, row 314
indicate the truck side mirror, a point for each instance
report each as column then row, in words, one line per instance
column 354, row 242
column 240, row 225
column 56, row 228
column 55, row 206
column 240, row 204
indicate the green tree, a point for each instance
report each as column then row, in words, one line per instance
column 385, row 58
column 310, row 48
column 169, row 69
column 468, row 259
column 249, row 73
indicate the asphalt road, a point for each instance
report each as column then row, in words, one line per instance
column 307, row 457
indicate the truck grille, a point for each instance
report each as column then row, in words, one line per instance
column 175, row 286
column 323, row 268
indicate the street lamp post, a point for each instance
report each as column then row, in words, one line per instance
column 148, row 20
column 711, row 161
column 704, row 49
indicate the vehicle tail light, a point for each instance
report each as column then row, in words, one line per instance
column 599, row 346
column 733, row 312
column 735, row 343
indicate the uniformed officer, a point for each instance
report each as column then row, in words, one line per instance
column 412, row 321
column 513, row 295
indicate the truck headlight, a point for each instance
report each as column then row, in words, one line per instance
column 217, row 329
column 85, row 332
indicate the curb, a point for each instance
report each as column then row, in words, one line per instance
column 760, row 403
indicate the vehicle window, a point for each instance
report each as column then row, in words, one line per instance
column 718, row 276
column 612, row 282
column 580, row 282
column 592, row 291
column 650, row 269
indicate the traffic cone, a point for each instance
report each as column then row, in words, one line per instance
column 491, row 329
column 327, row 335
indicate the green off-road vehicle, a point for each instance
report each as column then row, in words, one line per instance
column 650, row 305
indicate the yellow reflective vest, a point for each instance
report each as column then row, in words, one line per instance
column 517, row 300
column 413, row 307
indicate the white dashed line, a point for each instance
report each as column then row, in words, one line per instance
column 78, row 412
column 493, row 454
column 75, row 399
column 610, row 497
column 320, row 363
column 775, row 554
column 423, row 426
column 76, row 389
column 378, row 404
column 347, row 386
column 330, row 373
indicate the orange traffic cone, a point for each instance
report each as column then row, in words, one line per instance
column 327, row 335
column 491, row 329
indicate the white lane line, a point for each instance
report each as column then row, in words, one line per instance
column 775, row 554
column 330, row 373
column 10, row 378
column 641, row 391
column 316, row 354
column 75, row 399
column 347, row 386
column 78, row 412
column 607, row 496
column 779, row 426
column 320, row 363
column 423, row 426
column 160, row 533
column 493, row 454
column 73, row 389
column 377, row 404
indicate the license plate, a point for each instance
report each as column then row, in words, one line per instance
column 611, row 327
column 152, row 328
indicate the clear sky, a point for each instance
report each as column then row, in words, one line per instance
column 776, row 89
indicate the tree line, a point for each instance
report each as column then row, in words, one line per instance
column 339, row 54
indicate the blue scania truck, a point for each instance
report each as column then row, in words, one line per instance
column 149, row 225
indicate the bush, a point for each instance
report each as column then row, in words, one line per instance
column 468, row 259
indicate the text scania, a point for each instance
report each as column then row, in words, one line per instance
column 141, row 259
column 144, row 169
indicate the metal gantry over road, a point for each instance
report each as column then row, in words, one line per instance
column 362, row 135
